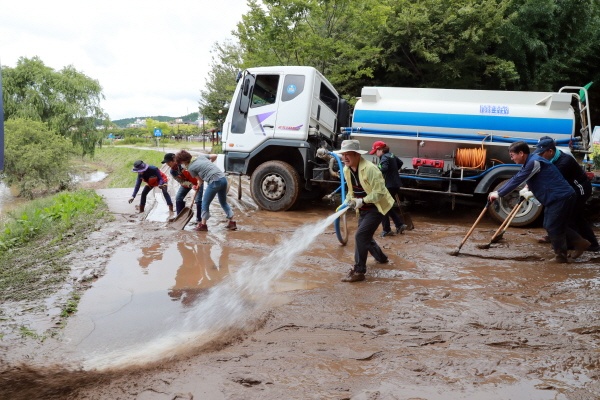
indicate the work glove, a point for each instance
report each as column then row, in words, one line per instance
column 187, row 184
column 355, row 204
column 493, row 196
column 131, row 200
column 526, row 193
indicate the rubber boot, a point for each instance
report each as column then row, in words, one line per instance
column 560, row 257
column 580, row 245
column 559, row 245
column 141, row 209
column 171, row 208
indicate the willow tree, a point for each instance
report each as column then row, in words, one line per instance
column 67, row 100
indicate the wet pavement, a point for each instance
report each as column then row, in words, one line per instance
column 260, row 313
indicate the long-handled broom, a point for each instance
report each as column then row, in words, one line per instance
column 457, row 250
column 504, row 226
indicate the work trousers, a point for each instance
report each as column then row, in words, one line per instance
column 368, row 222
column 394, row 213
column 556, row 223
column 147, row 190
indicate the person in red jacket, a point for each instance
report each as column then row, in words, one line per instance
column 153, row 177
column 187, row 182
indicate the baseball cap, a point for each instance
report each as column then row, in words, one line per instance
column 376, row 146
column 168, row 157
column 545, row 143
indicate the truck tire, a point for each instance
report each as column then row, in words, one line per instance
column 275, row 186
column 500, row 209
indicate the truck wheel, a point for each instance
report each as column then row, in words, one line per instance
column 275, row 186
column 500, row 209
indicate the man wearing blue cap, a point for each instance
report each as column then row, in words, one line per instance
column 577, row 178
column 545, row 182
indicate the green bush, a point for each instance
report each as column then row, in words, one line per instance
column 37, row 159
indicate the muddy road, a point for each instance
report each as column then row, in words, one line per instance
column 261, row 313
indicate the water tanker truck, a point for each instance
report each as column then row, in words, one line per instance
column 453, row 143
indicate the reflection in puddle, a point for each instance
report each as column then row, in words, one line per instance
column 181, row 300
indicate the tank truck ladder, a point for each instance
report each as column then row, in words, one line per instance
column 584, row 114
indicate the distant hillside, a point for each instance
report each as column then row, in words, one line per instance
column 122, row 123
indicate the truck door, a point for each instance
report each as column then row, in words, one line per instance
column 255, row 113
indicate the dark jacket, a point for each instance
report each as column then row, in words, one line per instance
column 574, row 174
column 152, row 176
column 543, row 179
column 390, row 166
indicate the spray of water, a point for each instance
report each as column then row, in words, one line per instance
column 226, row 306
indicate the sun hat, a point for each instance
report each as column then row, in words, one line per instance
column 139, row 166
column 376, row 146
column 350, row 145
column 545, row 143
column 168, row 157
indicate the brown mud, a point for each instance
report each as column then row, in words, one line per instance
column 497, row 323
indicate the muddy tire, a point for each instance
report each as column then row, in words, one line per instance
column 275, row 186
column 500, row 209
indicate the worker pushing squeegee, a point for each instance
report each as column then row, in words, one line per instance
column 546, row 183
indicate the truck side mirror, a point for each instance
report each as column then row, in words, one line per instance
column 246, row 87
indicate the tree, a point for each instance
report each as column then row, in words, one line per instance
column 553, row 43
column 221, row 82
column 334, row 36
column 447, row 44
column 36, row 157
column 67, row 100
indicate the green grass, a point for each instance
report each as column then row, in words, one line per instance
column 37, row 236
column 118, row 161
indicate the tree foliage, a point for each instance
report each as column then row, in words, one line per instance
column 221, row 81
column 36, row 157
column 476, row 44
column 67, row 100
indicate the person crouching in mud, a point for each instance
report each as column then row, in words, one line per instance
column 187, row 182
column 153, row 177
column 205, row 170
column 368, row 195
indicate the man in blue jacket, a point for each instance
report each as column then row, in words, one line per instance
column 547, row 184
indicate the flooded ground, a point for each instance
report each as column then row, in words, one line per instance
column 260, row 313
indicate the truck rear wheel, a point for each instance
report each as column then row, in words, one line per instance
column 275, row 186
column 527, row 215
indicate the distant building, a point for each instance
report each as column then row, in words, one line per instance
column 139, row 123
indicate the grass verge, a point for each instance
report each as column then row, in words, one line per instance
column 36, row 236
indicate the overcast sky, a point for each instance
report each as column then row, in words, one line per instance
column 150, row 57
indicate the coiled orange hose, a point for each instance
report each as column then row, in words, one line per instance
column 471, row 158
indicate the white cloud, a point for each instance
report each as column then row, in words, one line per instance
column 151, row 57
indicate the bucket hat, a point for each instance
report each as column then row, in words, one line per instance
column 350, row 145
column 139, row 166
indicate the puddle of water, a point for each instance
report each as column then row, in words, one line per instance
column 8, row 201
column 176, row 296
column 92, row 177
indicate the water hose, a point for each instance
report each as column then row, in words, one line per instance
column 343, row 239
